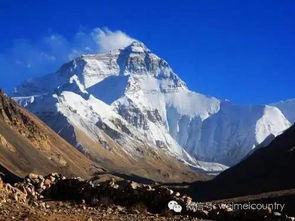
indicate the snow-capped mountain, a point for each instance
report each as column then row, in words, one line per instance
column 287, row 108
column 133, row 97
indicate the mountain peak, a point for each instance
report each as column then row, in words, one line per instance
column 136, row 47
column 141, row 89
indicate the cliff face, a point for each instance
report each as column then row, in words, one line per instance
column 28, row 145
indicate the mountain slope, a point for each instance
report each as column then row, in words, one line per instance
column 133, row 97
column 28, row 145
column 287, row 108
column 269, row 168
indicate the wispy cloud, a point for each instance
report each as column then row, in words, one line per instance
column 26, row 59
column 108, row 40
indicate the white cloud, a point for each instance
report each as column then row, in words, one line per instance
column 25, row 59
column 108, row 40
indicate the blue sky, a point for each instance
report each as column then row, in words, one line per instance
column 240, row 50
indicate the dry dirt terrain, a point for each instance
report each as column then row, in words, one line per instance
column 70, row 212
column 55, row 197
column 24, row 202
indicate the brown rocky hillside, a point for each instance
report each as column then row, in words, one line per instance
column 28, row 145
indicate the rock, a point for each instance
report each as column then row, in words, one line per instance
column 134, row 185
column 214, row 207
column 23, row 189
column 109, row 210
column 54, row 175
column 1, row 183
column 289, row 218
column 116, row 186
column 47, row 182
column 8, row 187
column 52, row 178
column 223, row 206
column 268, row 210
column 15, row 197
column 170, row 192
column 118, row 193
column 33, row 176
column 89, row 219
column 187, row 200
column 120, row 208
column 229, row 209
column 149, row 188
column 204, row 213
